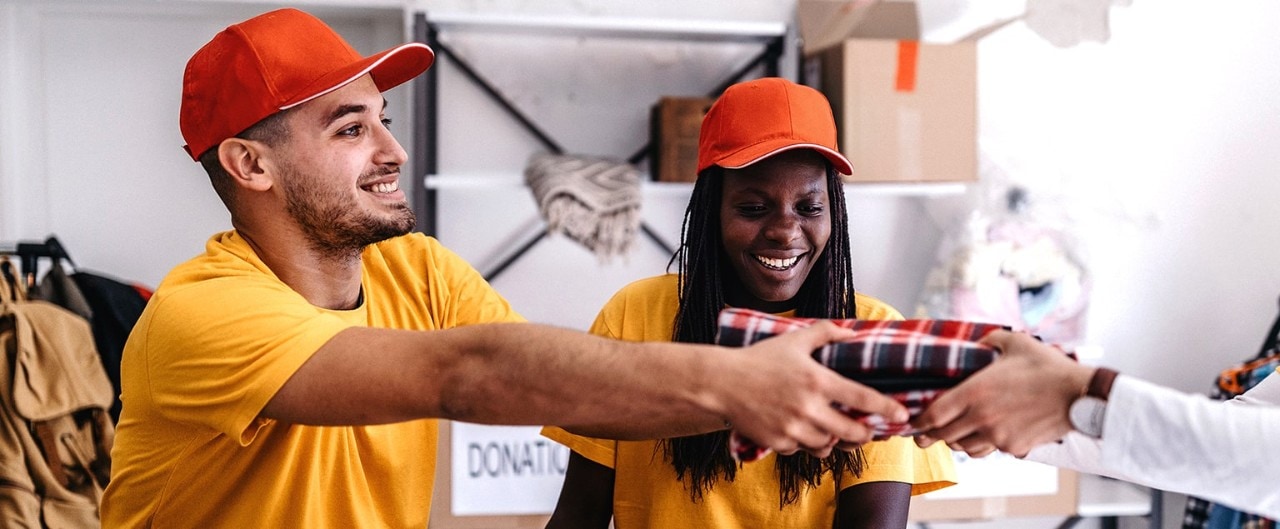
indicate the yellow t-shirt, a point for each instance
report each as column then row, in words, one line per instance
column 647, row 493
column 219, row 337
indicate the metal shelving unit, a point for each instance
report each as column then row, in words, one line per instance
column 770, row 36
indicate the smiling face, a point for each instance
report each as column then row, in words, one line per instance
column 340, row 168
column 774, row 222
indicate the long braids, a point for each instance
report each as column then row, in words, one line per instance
column 702, row 460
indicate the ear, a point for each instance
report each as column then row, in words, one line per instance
column 247, row 164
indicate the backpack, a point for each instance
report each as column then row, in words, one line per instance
column 1204, row 514
column 55, row 430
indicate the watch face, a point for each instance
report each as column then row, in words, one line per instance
column 1087, row 415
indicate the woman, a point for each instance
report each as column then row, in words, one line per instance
column 765, row 229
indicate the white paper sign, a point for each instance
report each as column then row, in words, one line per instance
column 998, row 475
column 500, row 470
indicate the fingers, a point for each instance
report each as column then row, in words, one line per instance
column 821, row 333
column 998, row 339
column 974, row 445
column 861, row 398
column 941, row 412
column 799, row 415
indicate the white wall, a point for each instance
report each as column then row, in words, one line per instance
column 90, row 148
column 1162, row 143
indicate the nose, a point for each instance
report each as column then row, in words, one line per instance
column 783, row 227
column 390, row 152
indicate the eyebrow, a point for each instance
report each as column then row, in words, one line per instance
column 343, row 110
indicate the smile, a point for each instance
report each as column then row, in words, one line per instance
column 778, row 264
column 385, row 187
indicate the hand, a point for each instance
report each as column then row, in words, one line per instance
column 1016, row 403
column 778, row 396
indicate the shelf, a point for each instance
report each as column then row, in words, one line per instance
column 923, row 189
column 683, row 189
column 642, row 28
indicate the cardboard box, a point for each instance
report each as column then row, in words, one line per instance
column 906, row 110
column 1064, row 501
column 674, row 126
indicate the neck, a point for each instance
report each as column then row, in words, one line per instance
column 326, row 279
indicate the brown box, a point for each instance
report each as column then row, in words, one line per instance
column 906, row 110
column 673, row 126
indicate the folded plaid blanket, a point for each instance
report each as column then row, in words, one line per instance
column 912, row 361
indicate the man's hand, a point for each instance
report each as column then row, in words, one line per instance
column 1016, row 403
column 778, row 396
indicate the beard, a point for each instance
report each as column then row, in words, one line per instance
column 332, row 220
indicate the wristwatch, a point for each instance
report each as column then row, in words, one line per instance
column 1089, row 411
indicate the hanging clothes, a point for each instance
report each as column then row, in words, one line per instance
column 1231, row 382
column 111, row 307
column 116, row 306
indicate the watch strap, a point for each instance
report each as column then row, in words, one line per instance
column 1100, row 383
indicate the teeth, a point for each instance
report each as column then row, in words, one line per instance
column 387, row 187
column 778, row 264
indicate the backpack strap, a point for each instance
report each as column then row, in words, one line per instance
column 49, row 444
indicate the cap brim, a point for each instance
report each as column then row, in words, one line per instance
column 389, row 69
column 760, row 151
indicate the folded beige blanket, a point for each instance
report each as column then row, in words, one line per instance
column 593, row 201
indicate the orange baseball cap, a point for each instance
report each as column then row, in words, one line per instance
column 754, row 120
column 273, row 62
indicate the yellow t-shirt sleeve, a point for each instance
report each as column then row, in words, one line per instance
column 469, row 298
column 219, row 368
column 899, row 459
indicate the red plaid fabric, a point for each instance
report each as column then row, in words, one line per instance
column 912, row 361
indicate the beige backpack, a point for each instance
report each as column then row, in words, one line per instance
column 55, row 431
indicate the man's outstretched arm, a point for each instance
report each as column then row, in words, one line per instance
column 517, row 373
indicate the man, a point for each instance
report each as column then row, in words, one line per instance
column 282, row 378
column 1114, row 425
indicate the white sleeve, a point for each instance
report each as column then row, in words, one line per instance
column 1224, row 452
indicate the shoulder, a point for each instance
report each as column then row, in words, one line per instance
column 411, row 255
column 642, row 310
column 648, row 292
column 870, row 308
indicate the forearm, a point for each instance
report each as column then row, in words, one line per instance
column 535, row 374
column 874, row 505
column 1189, row 444
column 510, row 373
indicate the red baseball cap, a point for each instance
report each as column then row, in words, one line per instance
column 754, row 120
column 273, row 62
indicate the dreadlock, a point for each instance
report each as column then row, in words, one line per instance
column 702, row 460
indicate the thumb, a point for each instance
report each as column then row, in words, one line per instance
column 823, row 332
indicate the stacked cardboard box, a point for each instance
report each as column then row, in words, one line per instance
column 674, row 126
column 906, row 110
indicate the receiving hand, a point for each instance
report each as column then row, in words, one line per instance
column 1016, row 403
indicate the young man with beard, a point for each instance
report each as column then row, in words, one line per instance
column 288, row 376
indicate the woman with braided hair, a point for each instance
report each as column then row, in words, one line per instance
column 766, row 229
